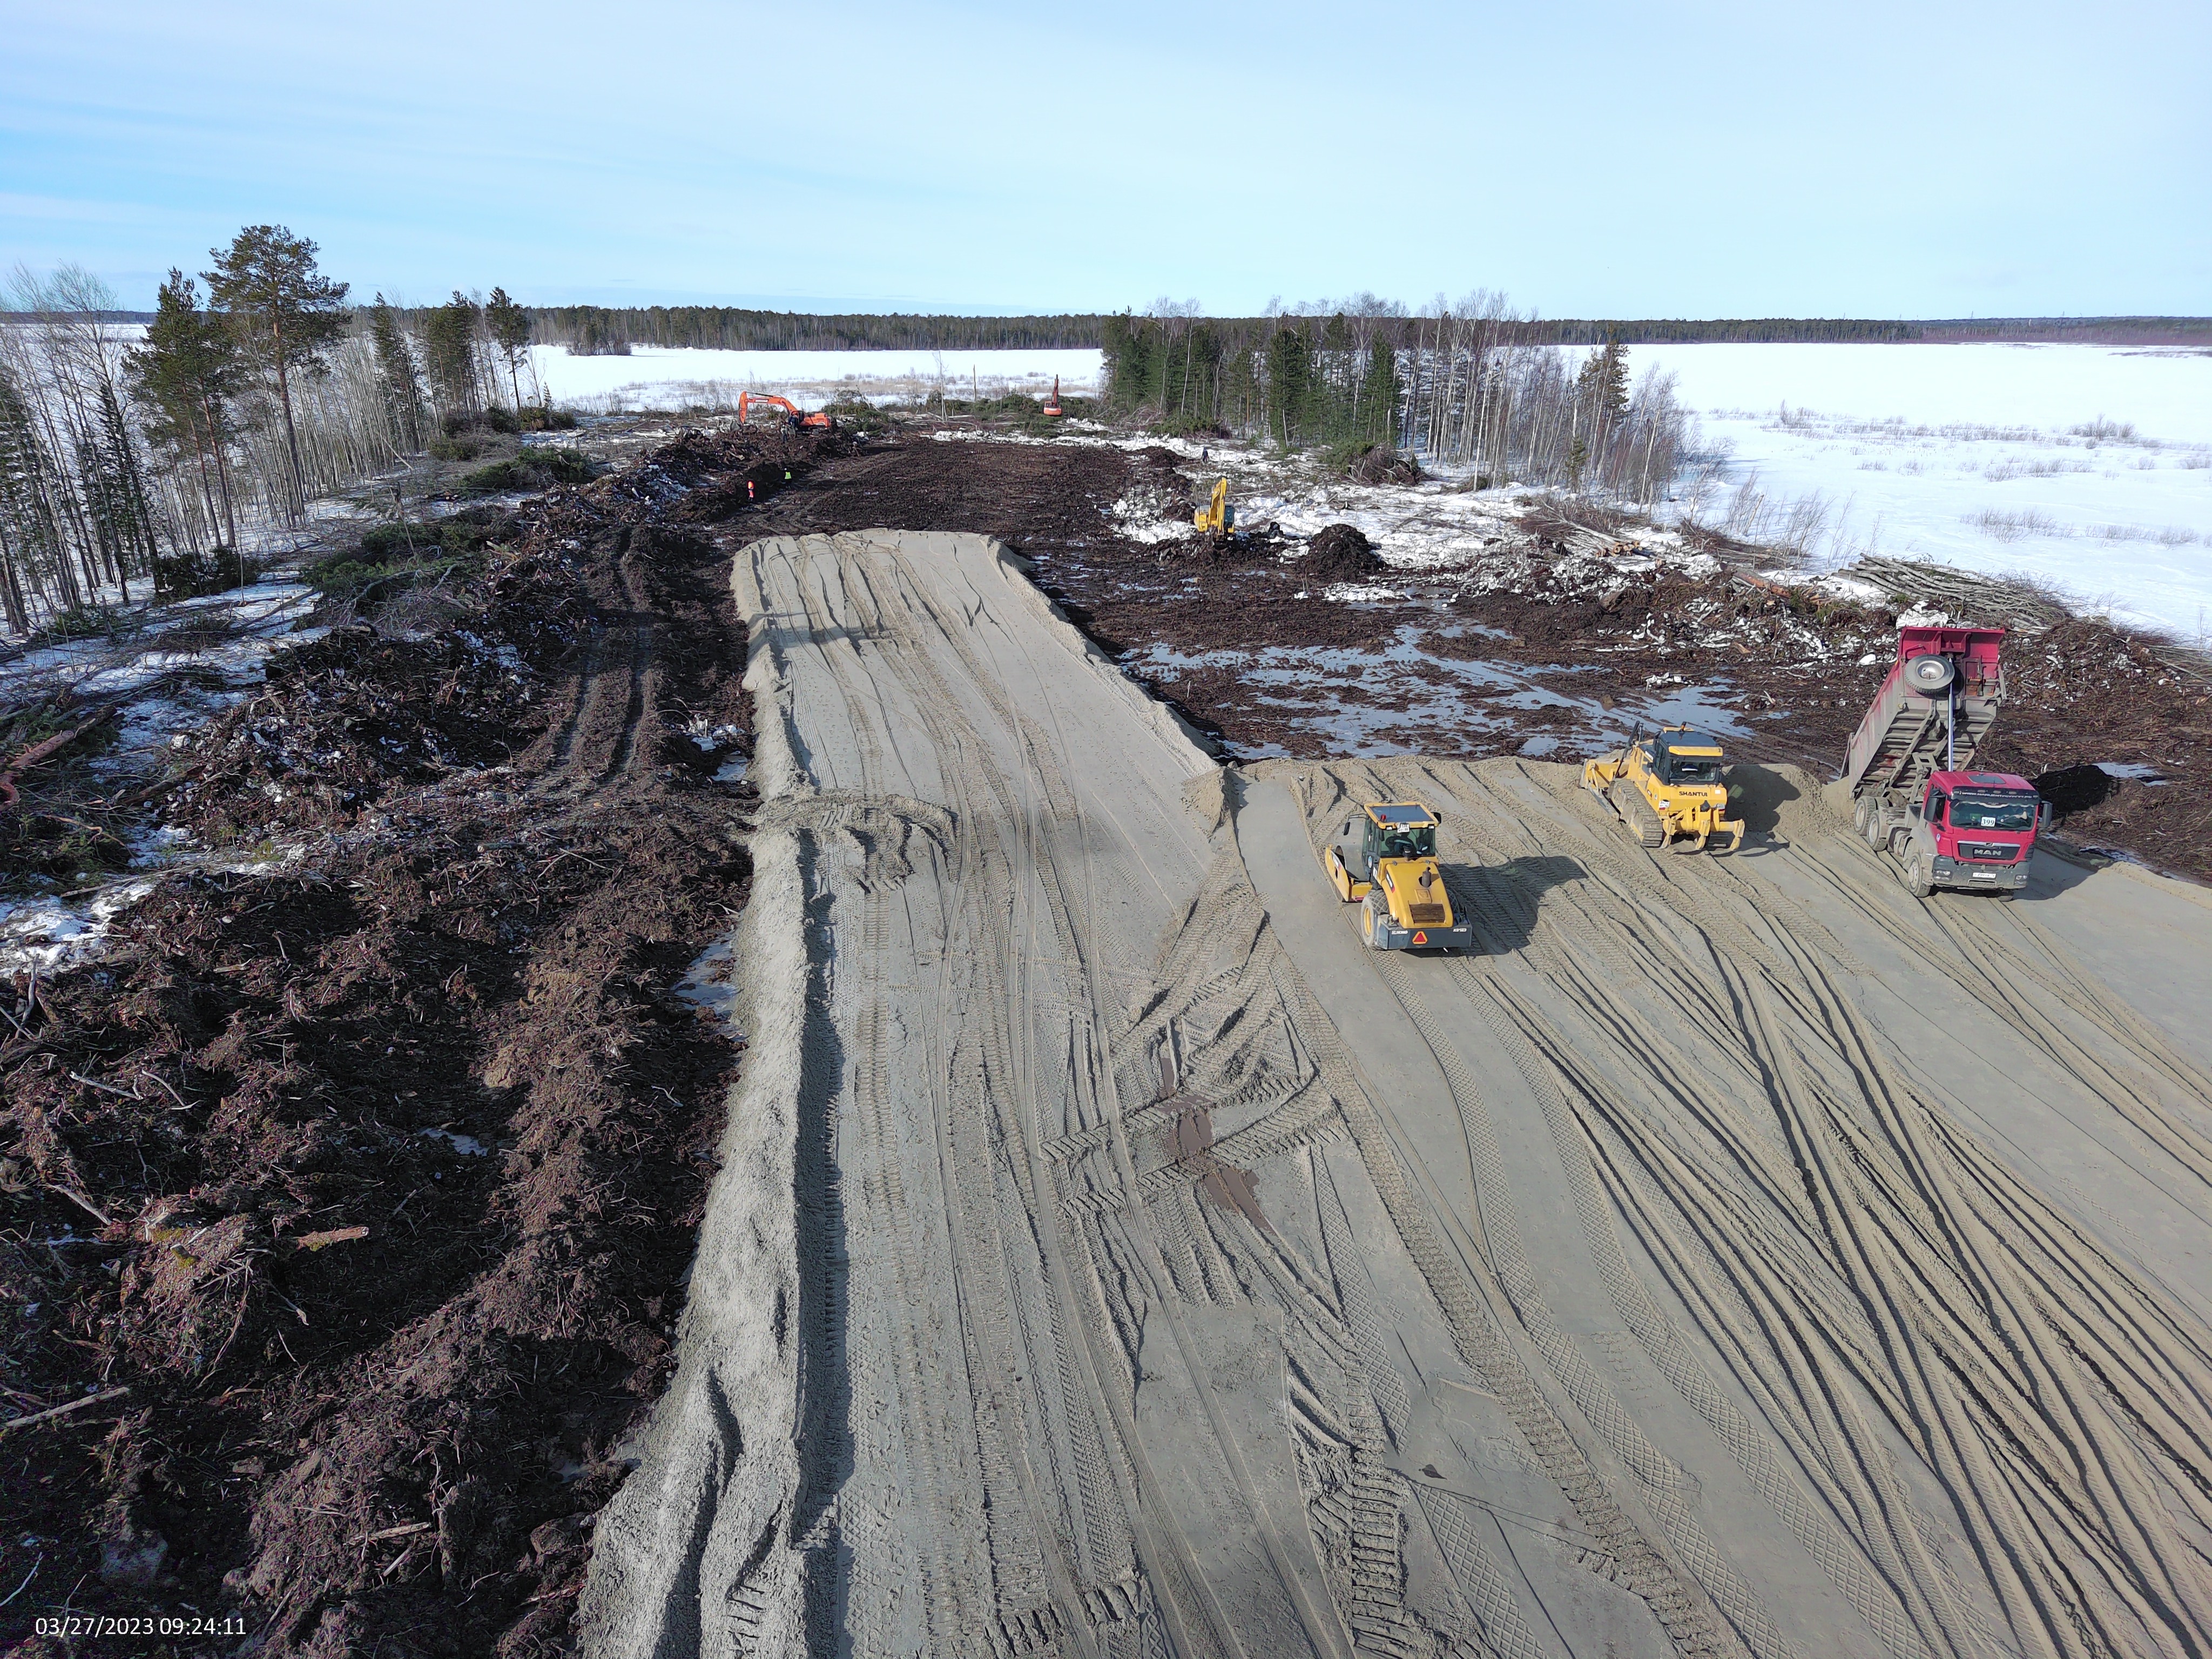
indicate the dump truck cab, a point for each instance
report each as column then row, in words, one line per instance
column 1969, row 829
column 1385, row 861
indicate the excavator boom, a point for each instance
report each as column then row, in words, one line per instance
column 817, row 419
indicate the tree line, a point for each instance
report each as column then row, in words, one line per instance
column 1463, row 384
column 138, row 453
column 586, row 330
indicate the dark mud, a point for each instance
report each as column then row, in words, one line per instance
column 356, row 1200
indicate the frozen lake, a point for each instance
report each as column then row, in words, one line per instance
column 2088, row 468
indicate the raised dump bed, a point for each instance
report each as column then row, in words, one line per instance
column 1910, row 767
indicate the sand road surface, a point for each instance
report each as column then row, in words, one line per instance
column 1111, row 1257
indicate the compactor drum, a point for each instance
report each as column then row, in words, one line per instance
column 1667, row 788
column 1385, row 861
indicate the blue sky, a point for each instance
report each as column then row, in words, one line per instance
column 1602, row 159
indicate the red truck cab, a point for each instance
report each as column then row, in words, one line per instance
column 1974, row 830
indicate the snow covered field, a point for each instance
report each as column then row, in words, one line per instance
column 2086, row 467
column 654, row 377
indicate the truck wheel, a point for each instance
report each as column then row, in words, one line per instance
column 1917, row 880
column 1901, row 845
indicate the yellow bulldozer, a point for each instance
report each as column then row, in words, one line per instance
column 1668, row 787
column 1384, row 860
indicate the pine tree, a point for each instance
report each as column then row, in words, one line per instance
column 1127, row 348
column 1331, row 411
column 1604, row 381
column 292, row 313
column 1378, row 397
column 31, row 533
column 396, row 373
column 509, row 325
column 186, row 373
column 449, row 342
column 1289, row 384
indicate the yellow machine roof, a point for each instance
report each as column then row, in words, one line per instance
column 1399, row 814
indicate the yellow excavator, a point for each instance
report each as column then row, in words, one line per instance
column 1216, row 517
column 1217, row 522
column 1390, row 872
column 1667, row 787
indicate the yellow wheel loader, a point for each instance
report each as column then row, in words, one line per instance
column 1667, row 787
column 1384, row 860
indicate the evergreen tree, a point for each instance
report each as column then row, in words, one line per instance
column 449, row 342
column 1378, row 397
column 129, row 509
column 1334, row 397
column 509, row 325
column 31, row 533
column 185, row 374
column 396, row 373
column 1289, row 384
column 1604, row 383
column 1125, row 346
column 291, row 312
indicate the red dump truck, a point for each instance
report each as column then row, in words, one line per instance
column 1911, row 767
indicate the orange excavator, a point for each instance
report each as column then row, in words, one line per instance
column 1052, row 409
column 817, row 420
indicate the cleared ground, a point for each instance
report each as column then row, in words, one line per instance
column 1112, row 1256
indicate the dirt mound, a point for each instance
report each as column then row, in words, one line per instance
column 1341, row 553
column 2075, row 788
column 1380, row 464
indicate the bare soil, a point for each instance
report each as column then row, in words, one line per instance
column 357, row 1199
